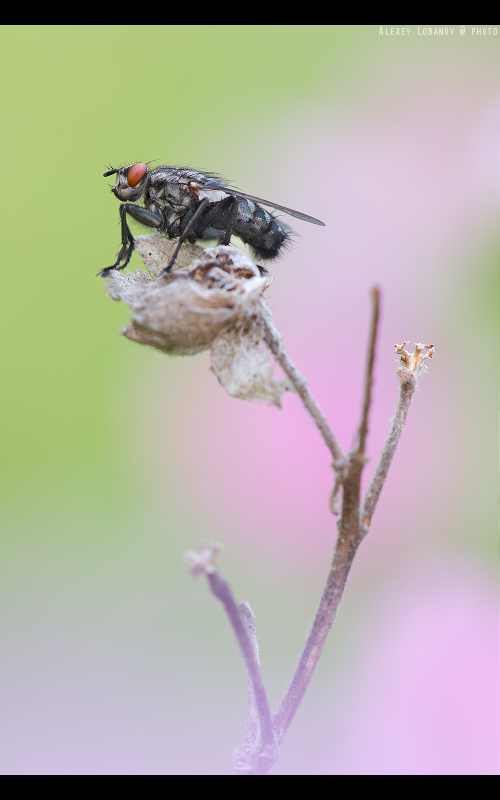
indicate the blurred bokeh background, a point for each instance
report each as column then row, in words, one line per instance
column 116, row 459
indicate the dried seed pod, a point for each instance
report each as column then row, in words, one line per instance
column 214, row 301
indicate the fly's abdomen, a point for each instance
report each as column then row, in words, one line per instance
column 259, row 229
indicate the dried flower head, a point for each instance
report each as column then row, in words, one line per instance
column 412, row 364
column 213, row 299
column 414, row 361
column 202, row 562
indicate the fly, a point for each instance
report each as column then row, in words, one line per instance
column 191, row 206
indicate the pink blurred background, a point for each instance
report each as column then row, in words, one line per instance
column 410, row 204
column 116, row 661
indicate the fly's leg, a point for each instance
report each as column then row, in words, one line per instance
column 219, row 218
column 151, row 218
column 231, row 219
column 185, row 233
column 126, row 248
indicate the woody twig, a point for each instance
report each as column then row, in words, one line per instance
column 216, row 302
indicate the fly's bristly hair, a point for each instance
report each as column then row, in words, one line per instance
column 190, row 205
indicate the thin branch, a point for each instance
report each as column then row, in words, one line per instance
column 363, row 428
column 260, row 750
column 244, row 756
column 267, row 749
column 266, row 752
column 275, row 343
column 253, row 727
column 345, row 549
column 324, row 618
column 350, row 477
column 258, row 754
column 411, row 366
column 406, row 392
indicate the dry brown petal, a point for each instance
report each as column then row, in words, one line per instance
column 243, row 363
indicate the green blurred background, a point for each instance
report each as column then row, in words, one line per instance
column 116, row 459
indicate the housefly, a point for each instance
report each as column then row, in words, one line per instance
column 191, row 206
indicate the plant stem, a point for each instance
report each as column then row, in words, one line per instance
column 406, row 391
column 267, row 751
column 260, row 752
column 363, row 428
column 347, row 543
column 275, row 343
column 323, row 621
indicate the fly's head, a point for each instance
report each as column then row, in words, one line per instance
column 130, row 182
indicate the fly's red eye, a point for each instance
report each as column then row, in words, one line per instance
column 136, row 174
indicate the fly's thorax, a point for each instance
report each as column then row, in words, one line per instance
column 174, row 195
column 182, row 193
column 179, row 175
column 170, row 201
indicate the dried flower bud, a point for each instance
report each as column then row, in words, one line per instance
column 212, row 299
column 202, row 562
column 411, row 364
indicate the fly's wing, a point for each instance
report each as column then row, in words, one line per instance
column 297, row 214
